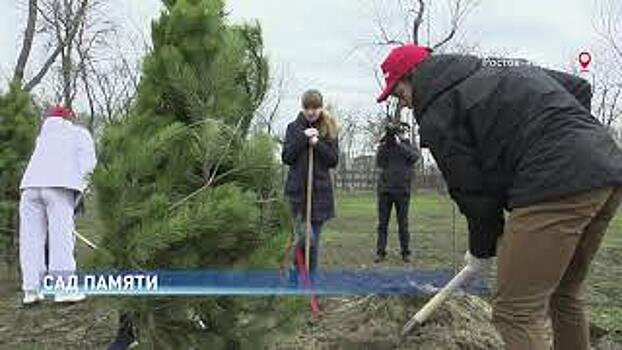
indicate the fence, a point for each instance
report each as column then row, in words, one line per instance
column 367, row 179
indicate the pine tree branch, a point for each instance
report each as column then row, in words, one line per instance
column 212, row 177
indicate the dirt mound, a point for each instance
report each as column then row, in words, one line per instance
column 375, row 323
column 463, row 322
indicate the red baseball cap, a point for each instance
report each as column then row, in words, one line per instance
column 59, row 111
column 400, row 61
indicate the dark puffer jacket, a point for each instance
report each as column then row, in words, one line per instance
column 296, row 155
column 396, row 164
column 507, row 137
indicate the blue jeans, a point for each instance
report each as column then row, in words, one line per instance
column 314, row 251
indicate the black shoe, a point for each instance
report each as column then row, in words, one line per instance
column 126, row 337
column 406, row 258
column 380, row 258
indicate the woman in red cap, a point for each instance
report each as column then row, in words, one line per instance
column 56, row 175
column 510, row 135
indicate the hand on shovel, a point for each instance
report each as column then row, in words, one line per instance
column 478, row 266
column 474, row 267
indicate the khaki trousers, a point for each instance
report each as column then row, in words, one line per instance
column 543, row 260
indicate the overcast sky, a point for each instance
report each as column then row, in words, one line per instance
column 320, row 43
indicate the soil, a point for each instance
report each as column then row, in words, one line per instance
column 375, row 323
column 462, row 323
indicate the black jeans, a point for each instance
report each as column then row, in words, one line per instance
column 386, row 201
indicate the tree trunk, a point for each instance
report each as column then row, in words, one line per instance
column 29, row 35
column 66, row 60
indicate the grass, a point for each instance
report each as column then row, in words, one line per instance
column 604, row 283
column 350, row 239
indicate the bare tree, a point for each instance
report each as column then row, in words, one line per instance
column 609, row 28
column 112, row 92
column 415, row 23
column 607, row 106
column 95, row 69
column 372, row 128
column 33, row 27
column 267, row 114
column 109, row 83
column 417, row 13
column 69, row 22
column 115, row 80
column 50, row 12
column 348, row 133
column 607, row 102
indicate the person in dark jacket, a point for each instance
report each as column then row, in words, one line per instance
column 396, row 157
column 315, row 127
column 510, row 135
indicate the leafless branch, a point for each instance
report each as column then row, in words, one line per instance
column 459, row 12
column 385, row 38
column 416, row 12
column 614, row 113
column 29, row 35
column 72, row 30
column 418, row 21
column 608, row 77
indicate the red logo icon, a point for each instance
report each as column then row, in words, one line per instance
column 584, row 60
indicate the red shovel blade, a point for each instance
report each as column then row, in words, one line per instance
column 302, row 270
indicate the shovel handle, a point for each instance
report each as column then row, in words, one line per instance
column 308, row 226
column 427, row 309
column 85, row 240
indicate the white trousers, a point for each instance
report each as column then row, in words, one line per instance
column 46, row 213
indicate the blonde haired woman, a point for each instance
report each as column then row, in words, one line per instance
column 316, row 127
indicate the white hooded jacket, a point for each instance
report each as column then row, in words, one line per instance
column 64, row 156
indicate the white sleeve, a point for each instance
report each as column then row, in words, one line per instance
column 87, row 159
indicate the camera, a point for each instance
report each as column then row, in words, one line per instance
column 392, row 129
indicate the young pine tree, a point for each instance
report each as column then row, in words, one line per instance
column 181, row 183
column 17, row 133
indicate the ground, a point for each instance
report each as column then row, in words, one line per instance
column 348, row 242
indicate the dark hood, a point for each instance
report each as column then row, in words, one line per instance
column 438, row 74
